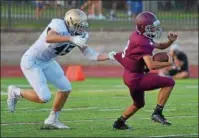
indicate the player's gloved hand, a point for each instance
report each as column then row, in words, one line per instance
column 78, row 40
column 85, row 36
column 111, row 55
column 84, row 39
column 172, row 36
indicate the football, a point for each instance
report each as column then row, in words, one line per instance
column 161, row 56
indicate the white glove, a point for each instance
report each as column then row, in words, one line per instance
column 111, row 55
column 85, row 36
column 78, row 40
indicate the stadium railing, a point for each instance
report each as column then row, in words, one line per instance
column 173, row 15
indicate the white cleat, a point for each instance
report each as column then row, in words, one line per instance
column 54, row 124
column 12, row 98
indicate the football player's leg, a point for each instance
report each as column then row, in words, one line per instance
column 138, row 102
column 151, row 82
column 36, row 78
column 59, row 80
column 40, row 94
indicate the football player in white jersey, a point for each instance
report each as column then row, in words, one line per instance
column 39, row 66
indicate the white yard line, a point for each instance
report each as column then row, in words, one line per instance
column 175, row 135
column 3, row 93
column 79, row 88
column 113, row 97
column 84, row 108
column 66, row 109
column 110, row 109
column 87, row 120
column 120, row 109
column 192, row 86
column 119, row 86
column 190, row 116
column 168, row 110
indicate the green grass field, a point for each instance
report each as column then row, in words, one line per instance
column 93, row 106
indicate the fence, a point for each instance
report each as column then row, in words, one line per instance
column 116, row 14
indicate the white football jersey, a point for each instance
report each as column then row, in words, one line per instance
column 46, row 51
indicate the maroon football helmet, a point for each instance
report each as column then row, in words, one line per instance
column 147, row 24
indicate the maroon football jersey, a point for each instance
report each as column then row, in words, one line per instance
column 132, row 56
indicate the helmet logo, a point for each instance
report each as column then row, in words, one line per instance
column 71, row 20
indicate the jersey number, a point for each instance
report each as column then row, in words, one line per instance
column 64, row 49
column 124, row 51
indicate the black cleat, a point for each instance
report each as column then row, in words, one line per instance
column 159, row 118
column 121, row 126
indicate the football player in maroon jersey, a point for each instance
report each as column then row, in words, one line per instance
column 134, row 58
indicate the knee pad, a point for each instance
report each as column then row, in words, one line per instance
column 65, row 88
column 65, row 91
column 44, row 94
column 46, row 98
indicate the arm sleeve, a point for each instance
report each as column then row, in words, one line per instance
column 90, row 54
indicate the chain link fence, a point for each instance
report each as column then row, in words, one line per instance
column 103, row 14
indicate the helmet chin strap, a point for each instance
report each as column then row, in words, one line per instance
column 136, row 28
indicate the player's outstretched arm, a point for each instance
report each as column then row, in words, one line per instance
column 54, row 37
column 96, row 56
column 152, row 65
column 106, row 56
column 171, row 38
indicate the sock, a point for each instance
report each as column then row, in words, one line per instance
column 57, row 114
column 18, row 92
column 158, row 109
column 54, row 115
column 121, row 119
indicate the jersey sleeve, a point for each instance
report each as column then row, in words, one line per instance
column 55, row 25
column 118, row 56
column 146, row 50
column 141, row 51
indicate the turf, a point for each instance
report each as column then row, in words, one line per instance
column 93, row 106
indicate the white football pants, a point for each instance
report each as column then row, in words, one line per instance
column 39, row 72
